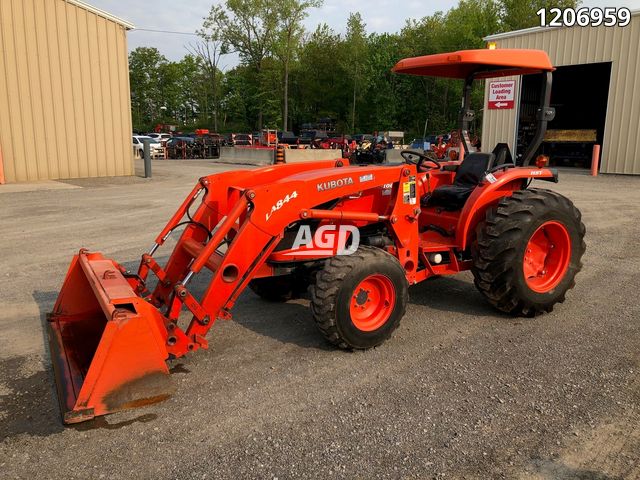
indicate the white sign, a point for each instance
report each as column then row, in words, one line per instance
column 501, row 94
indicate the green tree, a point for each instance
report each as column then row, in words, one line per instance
column 169, row 97
column 465, row 25
column 437, row 100
column 320, row 83
column 146, row 85
column 235, row 104
column 287, row 41
column 287, row 76
column 381, row 105
column 210, row 49
column 249, row 27
column 355, row 45
column 163, row 91
column 190, row 96
column 518, row 14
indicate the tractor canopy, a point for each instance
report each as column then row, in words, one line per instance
column 483, row 63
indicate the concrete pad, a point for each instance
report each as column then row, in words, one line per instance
column 310, row 155
column 459, row 389
column 246, row 156
column 35, row 186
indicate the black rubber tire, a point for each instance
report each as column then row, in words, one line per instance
column 334, row 285
column 500, row 245
column 277, row 289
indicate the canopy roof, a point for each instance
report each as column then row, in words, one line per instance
column 482, row 63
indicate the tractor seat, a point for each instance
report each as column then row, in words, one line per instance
column 468, row 175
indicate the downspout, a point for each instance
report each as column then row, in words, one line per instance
column 2, row 179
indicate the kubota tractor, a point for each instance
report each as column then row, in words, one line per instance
column 112, row 331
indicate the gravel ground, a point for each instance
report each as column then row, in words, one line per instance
column 460, row 391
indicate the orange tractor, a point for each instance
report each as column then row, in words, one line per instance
column 356, row 236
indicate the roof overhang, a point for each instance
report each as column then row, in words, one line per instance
column 483, row 63
column 102, row 13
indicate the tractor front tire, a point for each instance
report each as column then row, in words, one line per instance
column 357, row 300
column 528, row 252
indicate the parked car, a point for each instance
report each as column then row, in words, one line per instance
column 287, row 138
column 138, row 146
column 163, row 138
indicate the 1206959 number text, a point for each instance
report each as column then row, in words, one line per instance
column 584, row 17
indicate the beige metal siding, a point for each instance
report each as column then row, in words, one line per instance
column 64, row 92
column 573, row 46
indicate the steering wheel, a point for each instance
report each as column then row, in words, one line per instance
column 422, row 158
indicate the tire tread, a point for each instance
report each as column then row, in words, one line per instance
column 497, row 240
column 324, row 291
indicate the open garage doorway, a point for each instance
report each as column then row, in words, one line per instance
column 579, row 94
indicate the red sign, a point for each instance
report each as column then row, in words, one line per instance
column 501, row 94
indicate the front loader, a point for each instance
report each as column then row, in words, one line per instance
column 355, row 236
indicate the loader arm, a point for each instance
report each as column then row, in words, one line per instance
column 248, row 215
column 110, row 337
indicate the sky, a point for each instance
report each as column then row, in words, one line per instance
column 186, row 16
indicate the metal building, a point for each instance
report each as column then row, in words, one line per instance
column 596, row 94
column 64, row 91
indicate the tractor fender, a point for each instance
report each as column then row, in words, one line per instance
column 489, row 193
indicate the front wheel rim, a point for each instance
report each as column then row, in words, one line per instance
column 372, row 302
column 546, row 257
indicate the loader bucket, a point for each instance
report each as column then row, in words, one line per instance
column 107, row 344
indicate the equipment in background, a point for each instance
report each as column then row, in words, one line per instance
column 369, row 153
column 569, row 147
column 269, row 138
column 165, row 128
column 394, row 137
column 201, row 145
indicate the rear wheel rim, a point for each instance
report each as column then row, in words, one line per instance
column 372, row 302
column 546, row 257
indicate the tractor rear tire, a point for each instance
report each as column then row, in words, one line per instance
column 357, row 300
column 528, row 252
